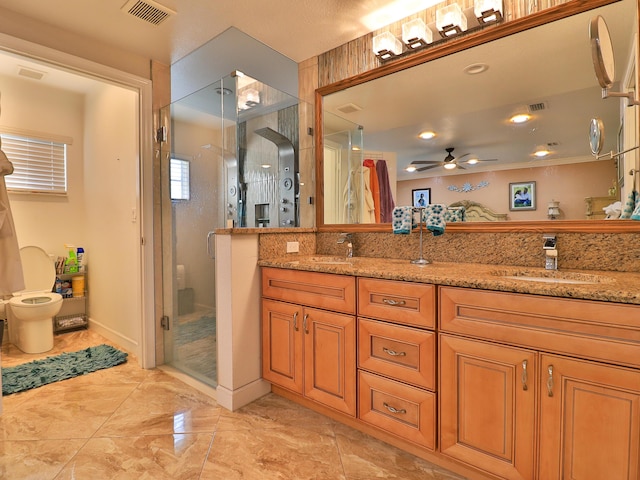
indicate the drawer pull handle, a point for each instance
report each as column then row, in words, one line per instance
column 304, row 323
column 392, row 409
column 295, row 322
column 393, row 303
column 393, row 353
column 550, row 381
column 525, row 375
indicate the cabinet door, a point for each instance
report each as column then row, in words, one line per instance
column 487, row 406
column 330, row 359
column 282, row 344
column 589, row 420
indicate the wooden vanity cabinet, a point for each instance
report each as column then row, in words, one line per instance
column 397, row 359
column 307, row 348
column 588, row 412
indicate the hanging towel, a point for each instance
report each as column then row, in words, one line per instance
column 375, row 188
column 402, row 220
column 630, row 205
column 386, row 197
column 636, row 212
column 433, row 218
column 455, row 214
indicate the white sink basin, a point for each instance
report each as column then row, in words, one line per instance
column 553, row 276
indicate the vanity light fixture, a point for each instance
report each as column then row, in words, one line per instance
column 386, row 46
column 553, row 211
column 415, row 34
column 427, row 135
column 487, row 11
column 450, row 20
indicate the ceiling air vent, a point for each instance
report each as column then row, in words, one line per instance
column 536, row 107
column 148, row 10
column 349, row 108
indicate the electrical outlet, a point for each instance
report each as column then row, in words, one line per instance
column 293, row 247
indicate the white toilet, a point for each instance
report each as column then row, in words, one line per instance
column 30, row 312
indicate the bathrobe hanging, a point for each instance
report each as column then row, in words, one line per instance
column 11, row 279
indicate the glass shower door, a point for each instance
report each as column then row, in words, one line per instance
column 192, row 180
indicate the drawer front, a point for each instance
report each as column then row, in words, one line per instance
column 396, row 301
column 404, row 353
column 589, row 329
column 403, row 410
column 322, row 290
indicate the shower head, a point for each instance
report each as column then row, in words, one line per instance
column 275, row 137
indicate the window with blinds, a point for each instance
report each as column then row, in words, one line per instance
column 179, row 178
column 39, row 165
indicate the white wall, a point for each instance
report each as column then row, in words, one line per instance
column 112, row 213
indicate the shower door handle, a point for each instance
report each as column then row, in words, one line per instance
column 211, row 251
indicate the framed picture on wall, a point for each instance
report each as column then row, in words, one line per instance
column 421, row 197
column 522, row 196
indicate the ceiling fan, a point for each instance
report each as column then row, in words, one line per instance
column 450, row 162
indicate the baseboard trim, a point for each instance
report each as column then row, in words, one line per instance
column 235, row 399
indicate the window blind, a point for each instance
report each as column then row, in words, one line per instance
column 179, row 177
column 39, row 165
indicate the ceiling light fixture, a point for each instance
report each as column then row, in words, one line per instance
column 487, row 11
column 476, row 68
column 542, row 151
column 450, row 20
column 386, row 46
column 520, row 118
column 411, row 168
column 472, row 161
column 450, row 166
column 427, row 135
column 415, row 34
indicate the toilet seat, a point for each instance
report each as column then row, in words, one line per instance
column 34, row 299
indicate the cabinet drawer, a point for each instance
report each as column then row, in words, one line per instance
column 401, row 302
column 322, row 290
column 404, row 353
column 405, row 411
column 589, row 329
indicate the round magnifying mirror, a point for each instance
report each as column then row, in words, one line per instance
column 596, row 135
column 602, row 52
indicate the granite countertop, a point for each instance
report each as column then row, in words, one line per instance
column 595, row 285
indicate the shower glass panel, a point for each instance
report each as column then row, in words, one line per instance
column 344, row 201
column 231, row 158
column 264, row 190
column 192, row 170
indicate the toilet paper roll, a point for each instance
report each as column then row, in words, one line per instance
column 180, row 277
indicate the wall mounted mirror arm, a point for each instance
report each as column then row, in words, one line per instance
column 604, row 60
column 596, row 141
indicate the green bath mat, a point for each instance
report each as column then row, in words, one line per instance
column 53, row 369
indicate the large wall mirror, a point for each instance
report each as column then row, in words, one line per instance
column 466, row 91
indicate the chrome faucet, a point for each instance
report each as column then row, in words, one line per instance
column 551, row 252
column 347, row 237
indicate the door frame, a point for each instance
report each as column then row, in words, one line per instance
column 143, row 87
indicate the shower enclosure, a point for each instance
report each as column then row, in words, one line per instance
column 230, row 159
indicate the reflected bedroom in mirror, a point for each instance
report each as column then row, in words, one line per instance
column 470, row 125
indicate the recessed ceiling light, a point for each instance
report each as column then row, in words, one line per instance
column 427, row 135
column 542, row 151
column 410, row 169
column 265, row 165
column 476, row 68
column 472, row 161
column 520, row 118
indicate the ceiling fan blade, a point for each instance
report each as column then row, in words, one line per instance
column 427, row 167
column 464, row 155
column 416, row 162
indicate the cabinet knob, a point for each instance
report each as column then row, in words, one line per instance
column 550, row 381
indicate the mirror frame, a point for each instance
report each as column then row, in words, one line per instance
column 572, row 7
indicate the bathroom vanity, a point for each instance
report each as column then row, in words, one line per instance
column 508, row 373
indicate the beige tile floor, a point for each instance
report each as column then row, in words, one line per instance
column 129, row 423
